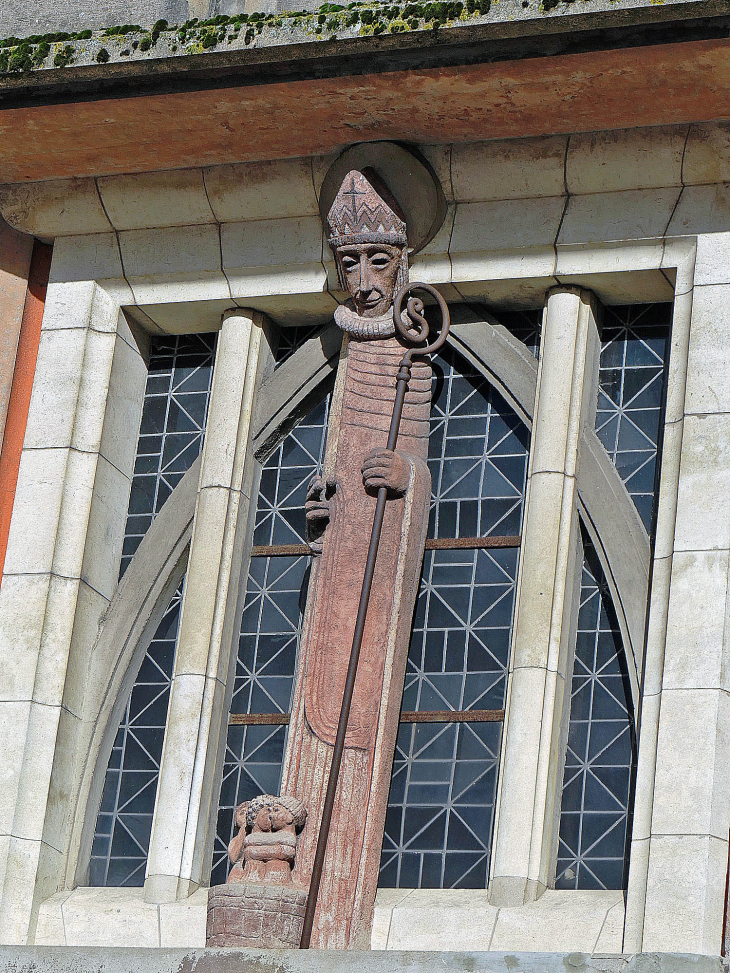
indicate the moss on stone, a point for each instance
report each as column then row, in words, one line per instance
column 363, row 17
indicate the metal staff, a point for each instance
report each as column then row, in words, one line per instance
column 416, row 333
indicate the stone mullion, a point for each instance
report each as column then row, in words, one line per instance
column 537, row 707
column 180, row 843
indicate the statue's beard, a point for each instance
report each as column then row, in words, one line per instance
column 354, row 324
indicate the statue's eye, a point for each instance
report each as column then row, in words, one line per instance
column 380, row 261
column 349, row 263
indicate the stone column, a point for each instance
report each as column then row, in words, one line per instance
column 181, row 839
column 537, row 708
column 680, row 841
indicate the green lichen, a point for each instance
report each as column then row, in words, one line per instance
column 64, row 57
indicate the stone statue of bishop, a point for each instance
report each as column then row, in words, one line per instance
column 367, row 233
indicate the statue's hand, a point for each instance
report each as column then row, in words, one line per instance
column 317, row 513
column 239, row 815
column 386, row 468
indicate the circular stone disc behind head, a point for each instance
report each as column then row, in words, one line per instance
column 407, row 175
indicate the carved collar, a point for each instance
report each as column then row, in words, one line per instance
column 353, row 324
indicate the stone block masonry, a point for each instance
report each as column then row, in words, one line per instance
column 248, row 915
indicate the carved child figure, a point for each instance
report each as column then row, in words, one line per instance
column 264, row 847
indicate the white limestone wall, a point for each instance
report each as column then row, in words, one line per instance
column 619, row 214
column 60, row 573
column 580, row 922
column 682, row 838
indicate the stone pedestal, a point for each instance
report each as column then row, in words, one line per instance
column 244, row 914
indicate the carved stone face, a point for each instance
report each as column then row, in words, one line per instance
column 370, row 271
column 273, row 817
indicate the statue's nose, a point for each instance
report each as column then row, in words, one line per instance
column 364, row 274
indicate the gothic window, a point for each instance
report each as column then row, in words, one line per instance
column 270, row 628
column 124, row 821
column 459, row 652
column 172, row 428
column 439, row 818
column 171, row 435
column 631, row 389
column 599, row 764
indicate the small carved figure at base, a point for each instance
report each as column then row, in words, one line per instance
column 263, row 850
column 259, row 906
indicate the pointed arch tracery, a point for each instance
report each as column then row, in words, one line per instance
column 152, row 577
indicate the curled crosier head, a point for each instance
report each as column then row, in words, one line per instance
column 414, row 329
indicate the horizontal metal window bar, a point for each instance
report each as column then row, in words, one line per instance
column 432, row 544
column 454, row 716
column 470, row 543
column 431, row 716
column 258, row 719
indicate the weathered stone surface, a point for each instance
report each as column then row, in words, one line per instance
column 264, row 846
column 19, row 17
column 59, row 959
column 611, row 88
column 242, row 914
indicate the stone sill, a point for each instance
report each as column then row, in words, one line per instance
column 424, row 919
column 29, row 959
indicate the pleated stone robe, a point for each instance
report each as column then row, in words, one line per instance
column 360, row 419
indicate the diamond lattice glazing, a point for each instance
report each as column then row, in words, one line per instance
column 631, row 389
column 270, row 627
column 124, row 822
column 600, row 756
column 477, row 455
column 441, row 802
column 172, row 428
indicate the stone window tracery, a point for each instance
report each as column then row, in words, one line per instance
column 439, row 827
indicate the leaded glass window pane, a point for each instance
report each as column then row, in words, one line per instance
column 441, row 802
column 462, row 625
column 285, row 478
column 599, row 762
column 124, row 821
column 438, row 825
column 172, row 427
column 270, row 628
column 525, row 326
column 631, row 391
column 477, row 454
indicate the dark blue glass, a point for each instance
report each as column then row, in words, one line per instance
column 631, row 390
column 270, row 627
column 172, row 427
column 441, row 803
column 124, row 822
column 599, row 763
